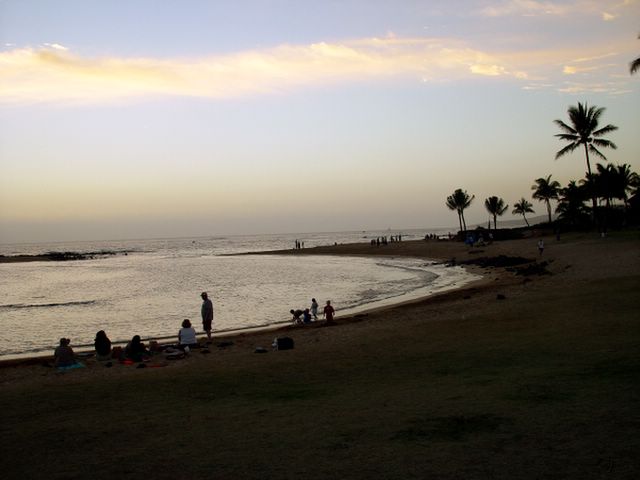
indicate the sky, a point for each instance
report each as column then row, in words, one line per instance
column 141, row 119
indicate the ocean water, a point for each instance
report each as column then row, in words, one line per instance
column 149, row 286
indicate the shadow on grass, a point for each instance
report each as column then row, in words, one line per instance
column 450, row 428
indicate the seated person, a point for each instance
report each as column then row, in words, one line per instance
column 102, row 345
column 135, row 350
column 306, row 316
column 63, row 356
column 296, row 315
column 187, row 335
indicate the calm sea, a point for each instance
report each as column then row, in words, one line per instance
column 149, row 286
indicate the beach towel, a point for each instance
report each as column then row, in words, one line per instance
column 71, row 367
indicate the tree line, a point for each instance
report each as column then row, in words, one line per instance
column 602, row 187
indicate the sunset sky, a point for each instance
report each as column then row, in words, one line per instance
column 138, row 119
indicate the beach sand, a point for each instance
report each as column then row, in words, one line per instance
column 515, row 376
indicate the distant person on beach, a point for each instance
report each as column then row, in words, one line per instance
column 329, row 312
column 296, row 315
column 207, row 314
column 187, row 335
column 314, row 308
column 63, row 356
column 136, row 350
column 102, row 345
column 306, row 316
column 540, row 246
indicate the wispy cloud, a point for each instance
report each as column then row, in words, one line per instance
column 608, row 10
column 53, row 74
column 56, row 74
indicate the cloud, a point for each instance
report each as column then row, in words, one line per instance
column 56, row 46
column 56, row 74
column 53, row 74
column 534, row 8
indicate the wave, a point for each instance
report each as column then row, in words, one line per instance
column 47, row 305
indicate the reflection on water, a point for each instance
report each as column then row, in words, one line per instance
column 151, row 290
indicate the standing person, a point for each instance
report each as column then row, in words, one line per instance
column 540, row 246
column 314, row 308
column 207, row 315
column 328, row 312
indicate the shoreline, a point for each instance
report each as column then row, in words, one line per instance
column 416, row 249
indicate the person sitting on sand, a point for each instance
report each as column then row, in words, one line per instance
column 135, row 350
column 187, row 335
column 296, row 315
column 329, row 312
column 102, row 345
column 63, row 356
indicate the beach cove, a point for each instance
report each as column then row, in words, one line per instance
column 516, row 376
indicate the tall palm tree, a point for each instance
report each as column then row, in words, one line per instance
column 458, row 201
column 546, row 190
column 635, row 65
column 584, row 131
column 495, row 206
column 523, row 207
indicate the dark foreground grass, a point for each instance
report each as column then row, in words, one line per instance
column 542, row 385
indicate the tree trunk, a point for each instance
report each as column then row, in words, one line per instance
column 548, row 202
column 495, row 222
column 463, row 222
column 594, row 202
column 525, row 219
column 460, row 220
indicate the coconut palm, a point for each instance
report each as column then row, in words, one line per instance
column 584, row 131
column 523, row 207
column 635, row 65
column 495, row 206
column 571, row 206
column 458, row 201
column 546, row 190
column 623, row 180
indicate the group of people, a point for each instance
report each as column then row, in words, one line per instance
column 310, row 314
column 376, row 242
column 135, row 350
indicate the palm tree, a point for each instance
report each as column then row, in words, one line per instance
column 635, row 65
column 545, row 190
column 522, row 208
column 571, row 203
column 458, row 201
column 495, row 206
column 623, row 180
column 584, row 131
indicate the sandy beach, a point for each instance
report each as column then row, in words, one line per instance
column 524, row 374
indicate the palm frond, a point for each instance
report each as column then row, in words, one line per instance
column 564, row 126
column 569, row 148
column 605, row 130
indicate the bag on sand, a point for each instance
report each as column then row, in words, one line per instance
column 283, row 343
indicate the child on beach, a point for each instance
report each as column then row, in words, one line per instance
column 296, row 315
column 306, row 316
column 314, row 308
column 329, row 312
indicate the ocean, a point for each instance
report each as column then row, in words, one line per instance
column 147, row 287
